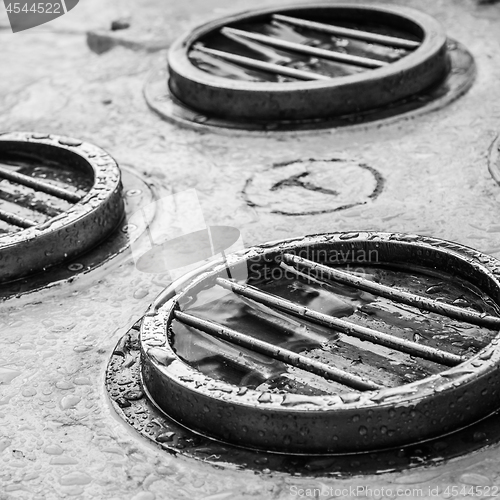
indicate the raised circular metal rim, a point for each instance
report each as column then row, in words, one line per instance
column 109, row 249
column 96, row 215
column 457, row 82
column 175, row 439
column 272, row 101
column 494, row 159
column 418, row 411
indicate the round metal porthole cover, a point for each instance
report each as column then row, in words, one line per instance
column 224, row 97
column 347, row 422
column 74, row 231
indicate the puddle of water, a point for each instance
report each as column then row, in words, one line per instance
column 239, row 366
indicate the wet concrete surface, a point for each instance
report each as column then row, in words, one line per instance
column 59, row 436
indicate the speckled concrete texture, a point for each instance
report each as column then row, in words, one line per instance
column 59, row 437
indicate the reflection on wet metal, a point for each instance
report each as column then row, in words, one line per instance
column 39, row 185
column 345, row 327
column 265, row 66
column 15, row 220
column 366, row 36
column 394, row 294
column 305, row 49
column 288, row 357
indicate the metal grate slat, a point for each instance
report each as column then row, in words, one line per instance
column 304, row 49
column 279, row 353
column 395, row 295
column 34, row 183
column 365, row 36
column 361, row 332
column 15, row 220
column 262, row 65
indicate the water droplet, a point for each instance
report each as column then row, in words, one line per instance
column 486, row 355
column 133, row 192
column 69, row 401
column 128, row 228
column 64, row 385
column 75, row 478
column 134, row 395
column 475, row 479
column 165, row 437
column 363, row 431
column 29, row 392
column 265, row 397
column 76, row 266
column 299, row 399
column 123, row 403
column 348, row 236
column 351, row 397
column 61, row 460
column 140, row 293
column 7, row 375
column 68, row 141
column 82, row 348
column 4, row 444
column 81, row 381
column 162, row 356
column 53, row 449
